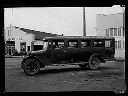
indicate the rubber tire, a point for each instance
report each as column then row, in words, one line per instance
column 97, row 63
column 29, row 61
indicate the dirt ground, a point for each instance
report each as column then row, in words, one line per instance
column 109, row 77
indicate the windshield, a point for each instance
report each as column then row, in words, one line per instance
column 45, row 45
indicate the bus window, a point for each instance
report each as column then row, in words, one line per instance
column 85, row 43
column 98, row 43
column 72, row 44
column 58, row 44
column 107, row 43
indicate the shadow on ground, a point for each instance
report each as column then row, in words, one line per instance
column 51, row 71
column 77, row 69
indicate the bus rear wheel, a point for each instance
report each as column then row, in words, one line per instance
column 94, row 63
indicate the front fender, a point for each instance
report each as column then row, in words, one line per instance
column 29, row 57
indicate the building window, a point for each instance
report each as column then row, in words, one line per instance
column 115, row 44
column 107, row 32
column 111, row 31
column 123, row 32
column 28, row 48
column 119, row 31
column 8, row 32
column 123, row 44
column 119, row 44
column 115, row 31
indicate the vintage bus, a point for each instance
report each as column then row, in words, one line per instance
column 85, row 51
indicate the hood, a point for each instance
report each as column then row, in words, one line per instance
column 35, row 52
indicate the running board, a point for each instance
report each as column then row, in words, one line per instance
column 69, row 64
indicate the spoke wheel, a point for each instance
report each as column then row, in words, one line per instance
column 94, row 63
column 31, row 67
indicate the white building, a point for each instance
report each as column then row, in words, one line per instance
column 23, row 40
column 112, row 26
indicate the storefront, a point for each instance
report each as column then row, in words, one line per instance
column 10, row 47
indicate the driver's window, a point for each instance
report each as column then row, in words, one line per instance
column 49, row 44
column 57, row 44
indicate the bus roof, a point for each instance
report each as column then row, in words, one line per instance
column 78, row 37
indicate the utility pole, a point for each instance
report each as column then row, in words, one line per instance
column 123, row 18
column 12, row 17
column 84, row 22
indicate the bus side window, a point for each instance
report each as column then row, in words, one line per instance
column 85, row 43
column 72, row 43
column 57, row 44
column 98, row 43
column 107, row 43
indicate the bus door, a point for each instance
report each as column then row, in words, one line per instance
column 58, row 50
column 110, row 48
column 98, row 47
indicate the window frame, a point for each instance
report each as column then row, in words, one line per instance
column 101, row 40
column 115, row 31
column 107, row 32
column 115, row 44
column 119, row 44
column 119, row 31
column 111, row 32
column 58, row 47
column 77, row 43
column 82, row 40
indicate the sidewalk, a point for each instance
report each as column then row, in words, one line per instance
column 120, row 59
column 8, row 56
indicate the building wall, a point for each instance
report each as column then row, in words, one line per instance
column 17, row 35
column 32, row 39
column 112, row 26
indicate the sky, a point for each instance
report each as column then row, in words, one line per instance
column 57, row 20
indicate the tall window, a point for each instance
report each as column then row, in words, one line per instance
column 119, row 31
column 8, row 32
column 115, row 31
column 107, row 32
column 123, row 32
column 111, row 31
column 119, row 44
column 116, row 44
column 123, row 44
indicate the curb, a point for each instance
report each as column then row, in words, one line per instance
column 120, row 59
column 13, row 56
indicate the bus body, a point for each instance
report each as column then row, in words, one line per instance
column 72, row 49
